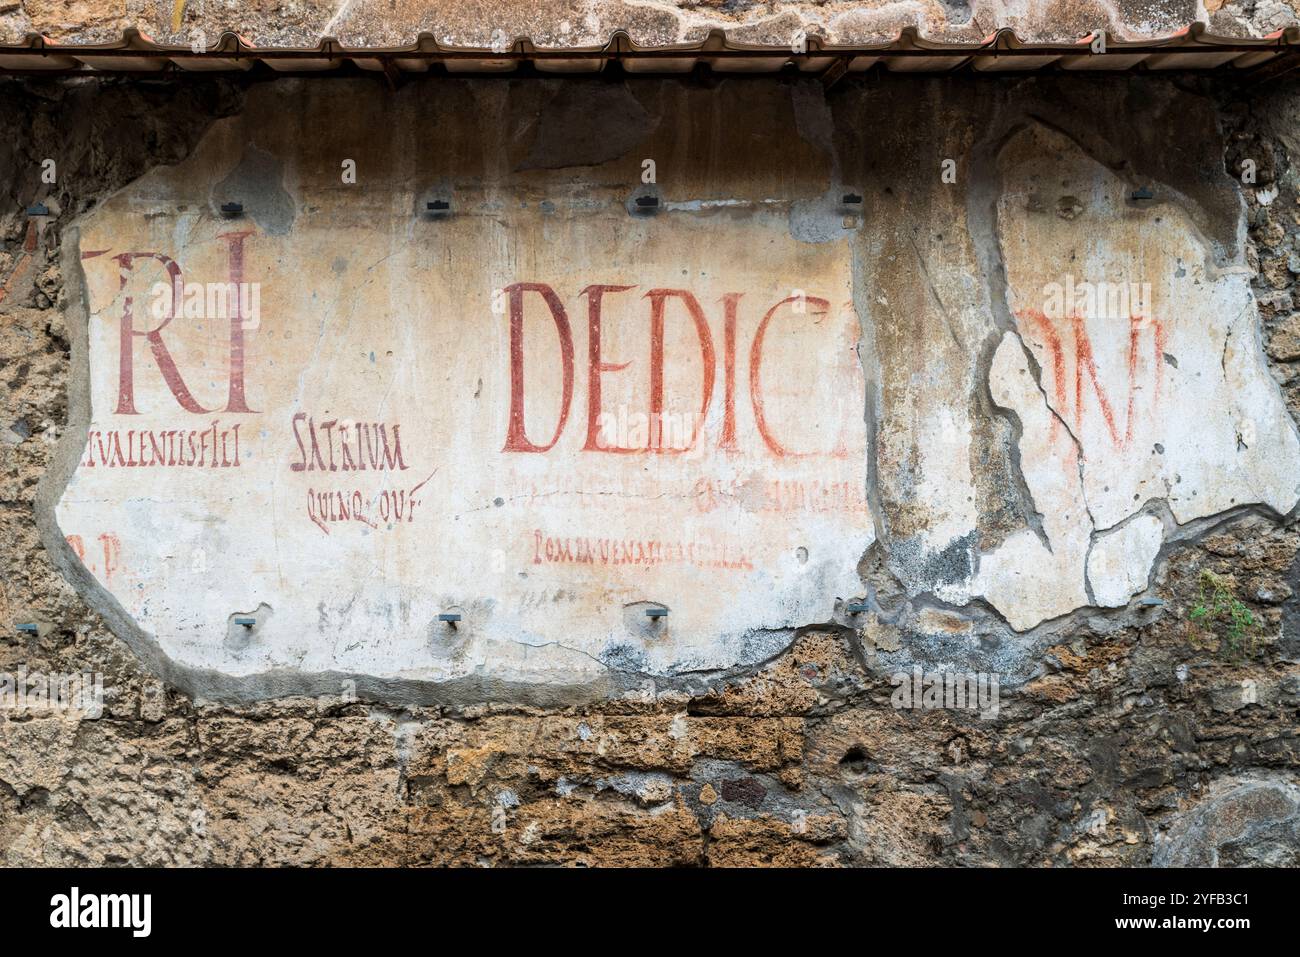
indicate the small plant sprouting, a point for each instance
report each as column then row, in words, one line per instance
column 1220, row 620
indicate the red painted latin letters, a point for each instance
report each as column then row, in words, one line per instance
column 516, row 439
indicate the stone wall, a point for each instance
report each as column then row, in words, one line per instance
column 1100, row 512
column 579, row 23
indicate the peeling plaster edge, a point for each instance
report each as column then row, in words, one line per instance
column 209, row 685
column 203, row 684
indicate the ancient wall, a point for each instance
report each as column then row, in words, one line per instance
column 922, row 377
column 579, row 23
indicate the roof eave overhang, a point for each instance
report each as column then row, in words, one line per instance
column 1191, row 49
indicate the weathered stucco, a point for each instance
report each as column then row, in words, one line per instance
column 402, row 423
column 1023, row 475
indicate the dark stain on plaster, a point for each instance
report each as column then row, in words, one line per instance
column 817, row 220
column 586, row 125
column 258, row 184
